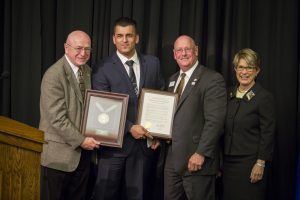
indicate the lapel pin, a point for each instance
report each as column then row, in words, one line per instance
column 194, row 81
column 250, row 95
column 171, row 84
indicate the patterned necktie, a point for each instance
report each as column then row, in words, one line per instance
column 81, row 81
column 180, row 85
column 132, row 76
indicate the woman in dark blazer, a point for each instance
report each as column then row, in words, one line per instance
column 249, row 132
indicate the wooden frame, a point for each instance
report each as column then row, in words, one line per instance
column 104, row 117
column 156, row 111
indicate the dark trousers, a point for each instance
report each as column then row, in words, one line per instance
column 123, row 177
column 60, row 185
column 186, row 187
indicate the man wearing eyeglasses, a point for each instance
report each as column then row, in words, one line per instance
column 66, row 157
column 192, row 155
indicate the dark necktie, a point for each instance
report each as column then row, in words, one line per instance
column 180, row 85
column 132, row 76
column 81, row 81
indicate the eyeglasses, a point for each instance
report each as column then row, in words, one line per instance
column 80, row 49
column 247, row 68
column 186, row 50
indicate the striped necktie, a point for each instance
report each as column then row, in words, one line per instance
column 132, row 76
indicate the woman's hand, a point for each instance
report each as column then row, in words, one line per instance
column 257, row 171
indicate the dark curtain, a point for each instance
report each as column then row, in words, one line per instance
column 33, row 34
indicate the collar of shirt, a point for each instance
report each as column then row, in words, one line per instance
column 188, row 74
column 73, row 67
column 136, row 65
column 124, row 58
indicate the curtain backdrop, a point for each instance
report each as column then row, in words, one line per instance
column 33, row 34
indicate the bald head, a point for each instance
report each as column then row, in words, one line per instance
column 77, row 35
column 185, row 38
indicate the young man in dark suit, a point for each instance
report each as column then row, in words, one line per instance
column 192, row 155
column 126, row 169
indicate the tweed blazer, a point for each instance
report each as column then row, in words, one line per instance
column 61, row 105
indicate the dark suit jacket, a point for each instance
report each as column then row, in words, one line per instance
column 199, row 120
column 61, row 105
column 110, row 75
column 250, row 124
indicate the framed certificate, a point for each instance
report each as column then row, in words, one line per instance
column 104, row 117
column 156, row 111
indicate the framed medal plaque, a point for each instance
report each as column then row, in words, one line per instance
column 104, row 117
